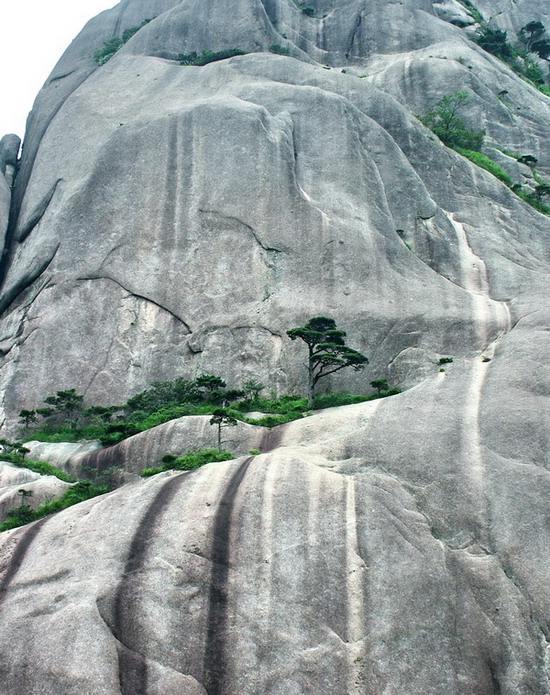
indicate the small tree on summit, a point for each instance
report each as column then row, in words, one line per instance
column 327, row 350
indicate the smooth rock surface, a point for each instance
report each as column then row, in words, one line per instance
column 178, row 220
column 59, row 454
column 12, row 479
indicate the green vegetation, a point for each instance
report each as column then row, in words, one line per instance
column 79, row 492
column 477, row 16
column 444, row 121
column 222, row 417
column 380, row 385
column 532, row 38
column 327, row 350
column 199, row 59
column 486, row 163
column 115, row 43
column 280, row 50
column 15, row 453
column 445, row 360
column 208, row 394
column 107, row 51
column 338, row 398
column 41, row 467
column 188, row 462
column 168, row 400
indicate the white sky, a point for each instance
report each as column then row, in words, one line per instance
column 33, row 35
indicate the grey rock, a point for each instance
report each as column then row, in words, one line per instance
column 178, row 220
column 9, row 150
column 60, row 454
column 12, row 479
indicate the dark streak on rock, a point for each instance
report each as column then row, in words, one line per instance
column 171, row 184
column 27, row 537
column 125, row 621
column 356, row 30
column 494, row 680
column 96, row 462
column 271, row 439
column 215, row 650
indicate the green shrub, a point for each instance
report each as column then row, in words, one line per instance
column 79, row 492
column 254, row 452
column 41, row 467
column 279, row 50
column 128, row 33
column 162, row 394
column 545, row 89
column 200, row 59
column 274, row 420
column 193, row 459
column 107, row 51
column 333, row 400
column 532, row 200
column 308, row 10
column 533, row 72
column 486, row 163
column 444, row 121
column 445, row 360
column 114, row 44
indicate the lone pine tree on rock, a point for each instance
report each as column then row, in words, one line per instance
column 221, row 418
column 327, row 350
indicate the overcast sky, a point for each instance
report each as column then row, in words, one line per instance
column 34, row 34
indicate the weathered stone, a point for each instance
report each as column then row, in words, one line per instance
column 42, row 487
column 177, row 220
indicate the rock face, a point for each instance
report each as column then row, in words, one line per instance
column 9, row 149
column 177, row 220
column 41, row 487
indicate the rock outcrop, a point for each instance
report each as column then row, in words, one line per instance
column 9, row 150
column 176, row 220
column 42, row 488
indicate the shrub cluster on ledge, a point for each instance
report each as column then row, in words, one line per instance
column 206, row 57
column 115, row 43
column 444, row 121
column 79, row 492
column 189, row 461
column 66, row 419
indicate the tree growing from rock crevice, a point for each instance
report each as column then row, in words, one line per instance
column 327, row 350
column 221, row 418
column 445, row 122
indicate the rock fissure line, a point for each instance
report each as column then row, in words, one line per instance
column 134, row 294
column 215, row 213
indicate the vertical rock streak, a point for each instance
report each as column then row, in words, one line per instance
column 216, row 656
column 125, row 619
column 355, row 619
column 25, row 542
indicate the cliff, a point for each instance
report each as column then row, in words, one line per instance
column 171, row 219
